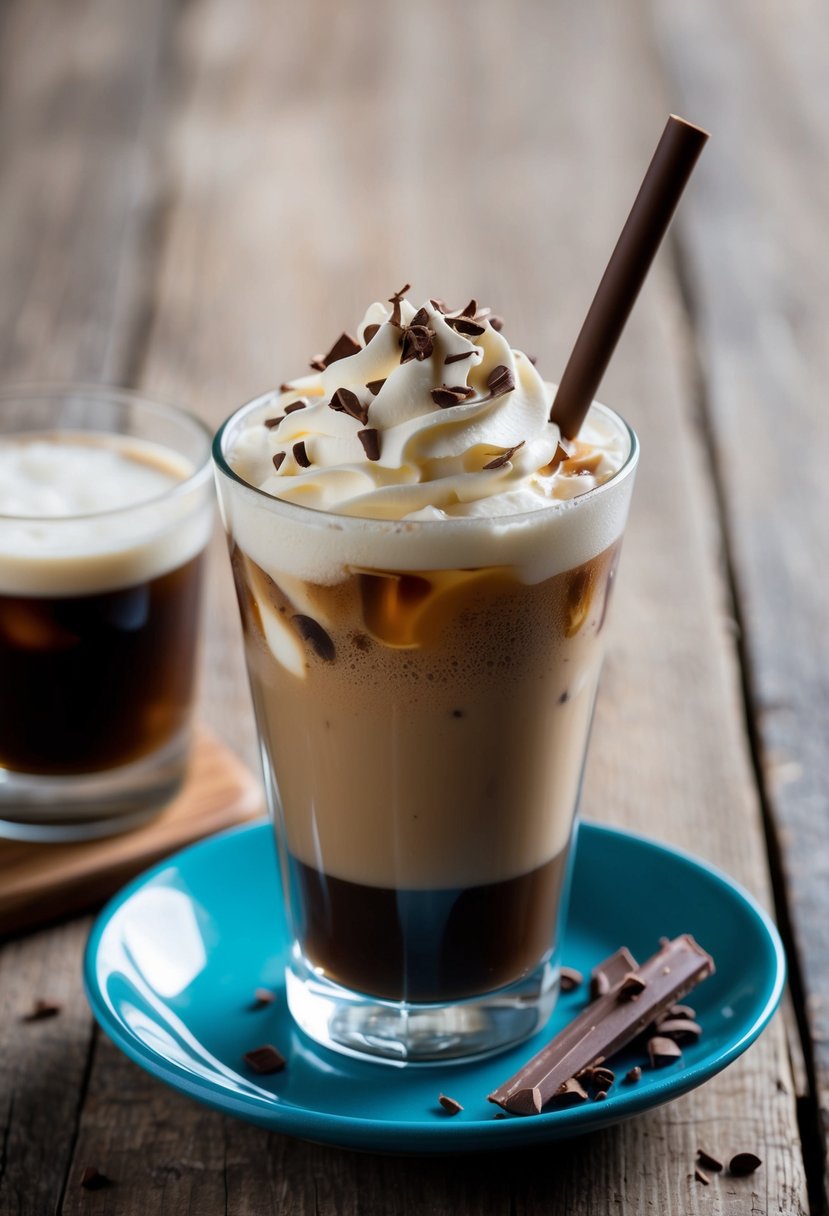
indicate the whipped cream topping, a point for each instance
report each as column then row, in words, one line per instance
column 427, row 414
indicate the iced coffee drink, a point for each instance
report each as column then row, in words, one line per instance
column 424, row 569
column 105, row 510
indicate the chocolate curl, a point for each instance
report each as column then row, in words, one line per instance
column 663, row 184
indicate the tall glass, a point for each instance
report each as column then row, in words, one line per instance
column 423, row 693
column 105, row 511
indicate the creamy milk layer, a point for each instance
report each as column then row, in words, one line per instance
column 82, row 512
column 432, row 420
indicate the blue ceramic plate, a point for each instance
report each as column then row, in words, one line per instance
column 173, row 961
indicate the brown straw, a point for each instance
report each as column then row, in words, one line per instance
column 666, row 178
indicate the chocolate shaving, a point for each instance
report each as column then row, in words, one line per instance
column 466, row 354
column 571, row 1093
column 344, row 347
column 271, row 423
column 663, row 1051
column 501, row 460
column 569, row 979
column 294, row 406
column 394, row 300
column 631, row 986
column 744, row 1163
column 345, row 402
column 278, row 457
column 41, row 1010
column 603, row 1076
column 374, row 386
column 370, row 439
column 369, row 332
column 682, row 1011
column 500, row 380
column 448, row 395
column 634, row 1075
column 450, row 1105
column 93, row 1180
column 471, row 309
column 681, row 1030
column 286, row 388
column 421, row 317
column 314, row 634
column 463, row 325
column 701, row 1176
column 265, row 1060
column 707, row 1160
column 496, row 322
column 418, row 342
column 300, row 455
column 440, row 306
column 318, row 363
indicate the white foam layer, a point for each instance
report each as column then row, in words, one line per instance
column 85, row 512
column 538, row 538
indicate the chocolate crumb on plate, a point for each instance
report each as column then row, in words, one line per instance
column 263, row 997
column 370, row 439
column 93, row 1180
column 663, row 1051
column 701, row 1176
column 682, row 1011
column 603, row 1076
column 41, row 1010
column 501, row 460
column 633, row 1075
column 316, row 637
column 570, row 979
column 301, row 455
column 265, row 1060
column 682, row 1030
column 600, row 1096
column 743, row 1163
column 450, row 1105
column 708, row 1161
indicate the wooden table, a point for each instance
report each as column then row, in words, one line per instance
column 193, row 199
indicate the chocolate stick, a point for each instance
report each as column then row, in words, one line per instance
column 605, row 1026
column 666, row 178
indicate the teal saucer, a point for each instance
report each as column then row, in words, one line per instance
column 173, row 961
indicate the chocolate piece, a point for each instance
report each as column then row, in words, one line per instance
column 93, row 1180
column 631, row 986
column 450, row 1105
column 265, row 1060
column 496, row 322
column 41, row 1010
column 394, row 300
column 634, row 1075
column 418, row 342
column 449, row 394
column 466, row 354
column 277, row 458
column 611, row 972
column 710, row 1163
column 421, row 317
column 271, row 423
column 603, row 1076
column 500, row 380
column 682, row 1011
column 369, row 332
column 286, row 388
column 701, row 1176
column 345, row 402
column 600, row 1096
column 606, row 1025
column 313, row 633
column 294, row 406
column 471, row 309
column 263, row 997
column 570, row 979
column 681, row 1030
column 744, row 1163
column 501, row 460
column 440, row 306
column 463, row 325
column 663, row 1051
column 370, row 439
column 571, row 1093
column 318, row 363
column 344, row 347
column 374, row 386
column 300, row 455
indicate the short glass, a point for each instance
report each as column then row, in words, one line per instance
column 423, row 694
column 98, row 611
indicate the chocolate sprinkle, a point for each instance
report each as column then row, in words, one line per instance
column 294, row 406
column 465, row 354
column 501, row 460
column 634, row 1075
column 463, row 325
column 270, row 423
column 41, row 1010
column 342, row 349
column 374, row 386
column 278, row 457
column 500, row 380
column 314, row 634
column 450, row 1105
column 370, row 439
column 663, row 1051
column 710, row 1163
column 570, row 979
column 701, row 1176
column 93, row 1180
column 448, row 395
column 265, row 1060
column 345, row 402
column 744, row 1163
column 369, row 332
column 300, row 455
column 418, row 343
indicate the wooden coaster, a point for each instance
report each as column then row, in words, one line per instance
column 44, row 882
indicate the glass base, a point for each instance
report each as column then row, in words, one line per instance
column 54, row 810
column 399, row 1033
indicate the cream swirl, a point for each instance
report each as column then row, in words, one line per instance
column 432, row 415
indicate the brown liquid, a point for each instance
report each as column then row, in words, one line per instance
column 90, row 682
column 423, row 946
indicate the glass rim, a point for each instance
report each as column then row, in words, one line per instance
column 321, row 516
column 113, row 393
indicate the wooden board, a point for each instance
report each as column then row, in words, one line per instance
column 41, row 883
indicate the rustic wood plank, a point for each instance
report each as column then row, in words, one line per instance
column 78, row 86
column 754, row 236
column 300, row 195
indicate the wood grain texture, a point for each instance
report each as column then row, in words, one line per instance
column 754, row 236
